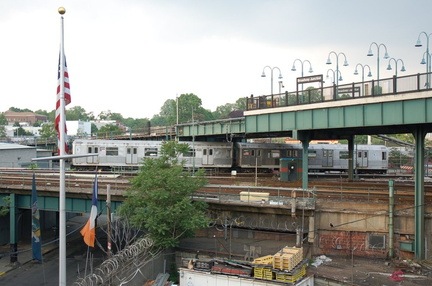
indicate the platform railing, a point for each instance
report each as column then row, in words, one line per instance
column 394, row 85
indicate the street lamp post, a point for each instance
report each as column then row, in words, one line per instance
column 389, row 67
column 370, row 54
column 428, row 55
column 362, row 69
column 335, row 74
column 302, row 66
column 337, row 63
column 271, row 75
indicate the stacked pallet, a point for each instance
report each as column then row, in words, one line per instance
column 263, row 261
column 288, row 258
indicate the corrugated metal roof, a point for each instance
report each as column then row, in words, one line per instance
column 13, row 146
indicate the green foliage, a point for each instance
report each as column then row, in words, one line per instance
column 2, row 131
column 3, row 120
column 160, row 198
column 4, row 206
column 397, row 158
column 109, row 130
column 78, row 113
column 22, row 132
column 48, row 131
column 16, row 109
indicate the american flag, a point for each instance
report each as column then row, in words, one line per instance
column 67, row 98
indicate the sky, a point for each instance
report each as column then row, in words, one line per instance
column 130, row 56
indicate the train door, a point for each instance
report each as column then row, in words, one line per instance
column 251, row 157
column 327, row 160
column 362, row 158
column 256, row 158
column 92, row 150
column 207, row 156
column 131, row 155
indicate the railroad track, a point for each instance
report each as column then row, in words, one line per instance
column 82, row 183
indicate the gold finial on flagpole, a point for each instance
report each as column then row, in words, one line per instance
column 61, row 10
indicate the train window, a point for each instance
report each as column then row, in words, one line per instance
column 150, row 152
column 384, row 156
column 275, row 153
column 135, row 151
column 359, row 154
column 89, row 150
column 289, row 153
column 365, row 154
column 312, row 154
column 245, row 152
column 253, row 153
column 204, row 152
column 343, row 155
column 258, row 153
column 190, row 153
column 128, row 151
column 96, row 149
column 210, row 152
column 295, row 153
column 112, row 151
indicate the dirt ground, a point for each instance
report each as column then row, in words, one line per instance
column 362, row 271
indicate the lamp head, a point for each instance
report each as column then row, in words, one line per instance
column 389, row 68
column 370, row 54
column 356, row 72
column 340, row 78
column 423, row 61
column 369, row 74
column 345, row 63
column 386, row 56
column 328, row 61
column 418, row 44
column 293, row 68
column 403, row 69
column 280, row 76
column 263, row 74
column 311, row 70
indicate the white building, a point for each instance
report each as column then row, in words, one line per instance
column 78, row 128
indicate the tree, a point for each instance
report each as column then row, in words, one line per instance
column 16, row 109
column 78, row 113
column 160, row 199
column 3, row 120
column 223, row 111
column 48, row 131
column 109, row 130
column 2, row 131
column 240, row 104
column 187, row 104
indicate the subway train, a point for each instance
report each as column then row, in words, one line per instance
column 228, row 156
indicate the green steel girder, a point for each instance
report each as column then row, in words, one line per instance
column 218, row 127
column 76, row 205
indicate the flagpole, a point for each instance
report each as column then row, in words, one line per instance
column 62, row 197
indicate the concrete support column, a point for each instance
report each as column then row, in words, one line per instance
column 419, row 221
column 12, row 232
column 350, row 158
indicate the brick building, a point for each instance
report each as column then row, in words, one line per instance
column 23, row 117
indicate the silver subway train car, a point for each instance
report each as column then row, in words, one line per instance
column 265, row 157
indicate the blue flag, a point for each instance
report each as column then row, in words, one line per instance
column 36, row 233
